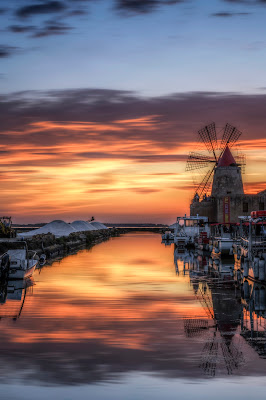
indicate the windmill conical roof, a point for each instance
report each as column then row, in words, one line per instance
column 227, row 159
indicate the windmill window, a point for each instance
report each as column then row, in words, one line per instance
column 245, row 207
column 261, row 205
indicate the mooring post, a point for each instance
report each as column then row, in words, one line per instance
column 250, row 240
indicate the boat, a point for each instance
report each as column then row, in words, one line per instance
column 250, row 249
column 189, row 228
column 19, row 262
column 168, row 235
column 223, row 238
column 224, row 267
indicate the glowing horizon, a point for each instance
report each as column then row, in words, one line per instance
column 119, row 171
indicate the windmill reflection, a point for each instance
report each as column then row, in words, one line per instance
column 12, row 297
column 215, row 289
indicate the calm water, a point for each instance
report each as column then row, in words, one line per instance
column 123, row 321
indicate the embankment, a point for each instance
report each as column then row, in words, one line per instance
column 53, row 247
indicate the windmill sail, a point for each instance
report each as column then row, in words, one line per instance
column 209, row 138
column 205, row 185
column 198, row 161
column 230, row 136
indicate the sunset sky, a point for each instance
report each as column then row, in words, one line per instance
column 101, row 101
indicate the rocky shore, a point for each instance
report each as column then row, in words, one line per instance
column 53, row 247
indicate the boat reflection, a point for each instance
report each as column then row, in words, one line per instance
column 234, row 306
column 12, row 297
column 253, row 323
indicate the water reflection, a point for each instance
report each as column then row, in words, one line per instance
column 12, row 297
column 127, row 305
column 253, row 319
column 221, row 303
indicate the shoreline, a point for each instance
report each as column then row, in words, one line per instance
column 54, row 247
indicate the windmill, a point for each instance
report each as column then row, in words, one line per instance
column 214, row 151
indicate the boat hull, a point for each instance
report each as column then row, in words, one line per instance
column 22, row 273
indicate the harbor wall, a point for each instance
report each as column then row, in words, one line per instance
column 53, row 247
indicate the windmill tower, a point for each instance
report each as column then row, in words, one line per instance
column 222, row 166
column 227, row 177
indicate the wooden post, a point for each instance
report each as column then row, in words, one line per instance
column 250, row 240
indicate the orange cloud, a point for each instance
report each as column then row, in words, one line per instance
column 119, row 159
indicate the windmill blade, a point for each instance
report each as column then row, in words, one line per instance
column 205, row 184
column 230, row 136
column 209, row 138
column 241, row 161
column 198, row 161
column 194, row 327
column 209, row 356
column 233, row 358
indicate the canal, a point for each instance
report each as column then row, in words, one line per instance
column 124, row 321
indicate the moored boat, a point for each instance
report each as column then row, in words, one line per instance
column 168, row 235
column 19, row 262
column 188, row 229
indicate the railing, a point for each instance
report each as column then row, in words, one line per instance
column 258, row 243
column 2, row 255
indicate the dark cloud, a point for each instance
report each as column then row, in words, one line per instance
column 246, row 2
column 137, row 6
column 75, row 13
column 21, row 28
column 52, row 29
column 225, row 14
column 7, row 51
column 48, row 7
column 142, row 6
column 144, row 158
column 90, row 118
